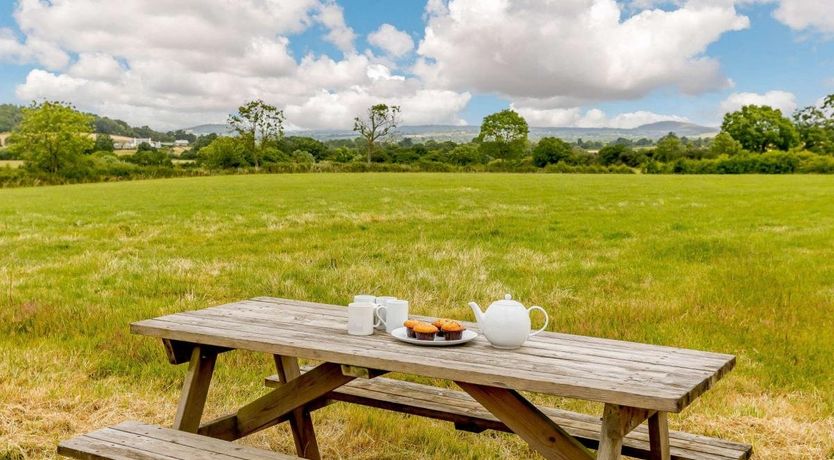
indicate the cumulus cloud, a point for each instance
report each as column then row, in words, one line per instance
column 192, row 61
column 782, row 100
column 576, row 49
column 391, row 40
column 593, row 118
column 807, row 14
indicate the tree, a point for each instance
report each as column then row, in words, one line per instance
column 381, row 122
column 614, row 154
column 52, row 135
column 551, row 150
column 503, row 134
column 669, row 148
column 759, row 128
column 816, row 126
column 104, row 143
column 10, row 116
column 724, row 144
column 224, row 152
column 258, row 125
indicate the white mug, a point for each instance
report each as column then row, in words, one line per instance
column 395, row 314
column 381, row 301
column 364, row 298
column 361, row 318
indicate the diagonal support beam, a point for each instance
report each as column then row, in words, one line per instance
column 297, row 392
column 527, row 421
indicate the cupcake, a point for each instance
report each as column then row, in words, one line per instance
column 438, row 323
column 409, row 327
column 424, row 331
column 452, row 330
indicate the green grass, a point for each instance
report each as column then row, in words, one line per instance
column 741, row 265
column 14, row 164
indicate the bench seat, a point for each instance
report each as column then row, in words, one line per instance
column 468, row 415
column 138, row 441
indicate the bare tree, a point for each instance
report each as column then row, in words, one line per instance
column 258, row 124
column 381, row 122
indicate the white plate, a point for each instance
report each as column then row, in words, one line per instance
column 401, row 335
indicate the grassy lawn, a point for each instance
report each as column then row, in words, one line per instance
column 11, row 164
column 741, row 265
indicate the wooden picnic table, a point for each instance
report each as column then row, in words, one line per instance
column 636, row 382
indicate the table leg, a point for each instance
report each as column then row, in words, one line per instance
column 301, row 423
column 618, row 421
column 195, row 389
column 659, row 437
column 527, row 421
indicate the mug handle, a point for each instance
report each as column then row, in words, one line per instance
column 379, row 319
column 546, row 318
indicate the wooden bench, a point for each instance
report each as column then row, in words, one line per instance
column 468, row 415
column 138, row 441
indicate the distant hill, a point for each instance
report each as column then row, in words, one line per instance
column 466, row 133
column 215, row 128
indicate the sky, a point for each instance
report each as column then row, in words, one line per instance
column 585, row 63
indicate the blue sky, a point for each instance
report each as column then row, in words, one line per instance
column 772, row 59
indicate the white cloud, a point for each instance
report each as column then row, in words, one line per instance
column 782, row 100
column 807, row 14
column 593, row 118
column 576, row 49
column 171, row 65
column 393, row 41
column 332, row 16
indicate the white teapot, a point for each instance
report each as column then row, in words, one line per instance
column 506, row 323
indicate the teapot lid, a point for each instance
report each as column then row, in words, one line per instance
column 507, row 301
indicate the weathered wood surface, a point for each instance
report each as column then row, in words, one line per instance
column 659, row 436
column 195, row 389
column 610, row 371
column 467, row 414
column 138, row 441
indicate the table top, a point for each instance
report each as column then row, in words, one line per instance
column 611, row 371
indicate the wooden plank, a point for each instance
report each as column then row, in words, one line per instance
column 195, row 389
column 180, row 352
column 213, row 446
column 301, row 423
column 361, row 372
column 525, row 420
column 295, row 393
column 659, row 437
column 137, row 441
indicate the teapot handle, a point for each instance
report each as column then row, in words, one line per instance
column 546, row 318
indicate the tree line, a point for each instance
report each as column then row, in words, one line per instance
column 61, row 144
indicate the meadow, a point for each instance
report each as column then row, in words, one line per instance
column 734, row 264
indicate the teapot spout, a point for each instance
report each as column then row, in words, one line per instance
column 479, row 315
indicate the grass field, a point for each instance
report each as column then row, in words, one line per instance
column 14, row 164
column 741, row 265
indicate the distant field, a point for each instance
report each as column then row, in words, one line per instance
column 10, row 163
column 741, row 264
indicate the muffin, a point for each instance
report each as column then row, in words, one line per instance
column 452, row 330
column 424, row 331
column 438, row 323
column 409, row 327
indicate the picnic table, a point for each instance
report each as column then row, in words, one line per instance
column 636, row 382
